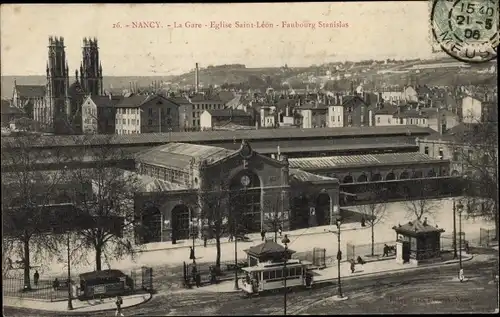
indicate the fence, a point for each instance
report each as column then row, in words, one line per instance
column 317, row 257
column 226, row 272
column 13, row 285
column 447, row 243
column 486, row 237
column 365, row 250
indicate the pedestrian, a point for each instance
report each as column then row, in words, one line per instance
column 363, row 221
column 194, row 271
column 9, row 264
column 386, row 250
column 205, row 239
column 191, row 254
column 36, row 277
column 353, row 266
column 55, row 284
column 280, row 230
column 119, row 303
column 198, row 280
column 263, row 234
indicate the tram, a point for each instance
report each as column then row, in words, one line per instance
column 270, row 276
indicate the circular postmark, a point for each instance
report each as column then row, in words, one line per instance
column 467, row 30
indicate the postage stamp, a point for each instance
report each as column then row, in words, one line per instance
column 466, row 30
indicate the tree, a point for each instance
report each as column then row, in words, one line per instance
column 477, row 146
column 27, row 194
column 110, row 206
column 275, row 219
column 416, row 203
column 213, row 204
column 373, row 213
column 220, row 213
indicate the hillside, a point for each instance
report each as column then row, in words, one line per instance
column 7, row 84
column 342, row 74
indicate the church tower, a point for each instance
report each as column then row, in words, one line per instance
column 57, row 98
column 90, row 68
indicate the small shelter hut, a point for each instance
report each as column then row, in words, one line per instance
column 268, row 251
column 417, row 241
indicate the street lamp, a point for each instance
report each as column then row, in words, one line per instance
column 191, row 228
column 285, row 241
column 70, row 302
column 454, row 229
column 235, row 255
column 460, row 272
column 338, row 222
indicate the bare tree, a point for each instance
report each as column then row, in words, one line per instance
column 373, row 213
column 477, row 145
column 275, row 219
column 27, row 194
column 416, row 203
column 214, row 212
column 110, row 206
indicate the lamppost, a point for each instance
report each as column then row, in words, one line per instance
column 338, row 222
column 191, row 229
column 70, row 302
column 454, row 229
column 235, row 255
column 460, row 272
column 285, row 241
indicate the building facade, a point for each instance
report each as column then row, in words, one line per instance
column 99, row 114
column 259, row 190
column 146, row 114
column 210, row 119
column 200, row 103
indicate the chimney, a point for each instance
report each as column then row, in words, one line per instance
column 196, row 79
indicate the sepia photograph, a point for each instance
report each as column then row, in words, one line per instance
column 225, row 159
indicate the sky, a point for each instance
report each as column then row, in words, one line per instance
column 375, row 30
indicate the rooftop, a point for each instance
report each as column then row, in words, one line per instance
column 303, row 176
column 30, row 91
column 416, row 227
column 260, row 134
column 314, row 163
column 266, row 248
column 228, row 113
column 106, row 101
column 181, row 156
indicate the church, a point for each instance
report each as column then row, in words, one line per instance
column 186, row 185
column 57, row 104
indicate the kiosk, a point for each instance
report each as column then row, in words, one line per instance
column 417, row 241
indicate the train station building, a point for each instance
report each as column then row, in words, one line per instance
column 183, row 184
column 182, row 181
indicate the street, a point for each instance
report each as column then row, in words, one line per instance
column 430, row 290
column 395, row 213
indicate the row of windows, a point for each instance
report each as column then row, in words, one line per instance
column 128, row 121
column 128, row 110
column 166, row 174
column 288, row 272
column 206, row 106
column 120, row 131
column 150, row 111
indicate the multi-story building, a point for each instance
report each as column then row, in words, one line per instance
column 335, row 116
column 439, row 120
column 314, row 115
column 475, row 109
column 211, row 119
column 185, row 113
column 146, row 114
column 99, row 114
column 200, row 103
